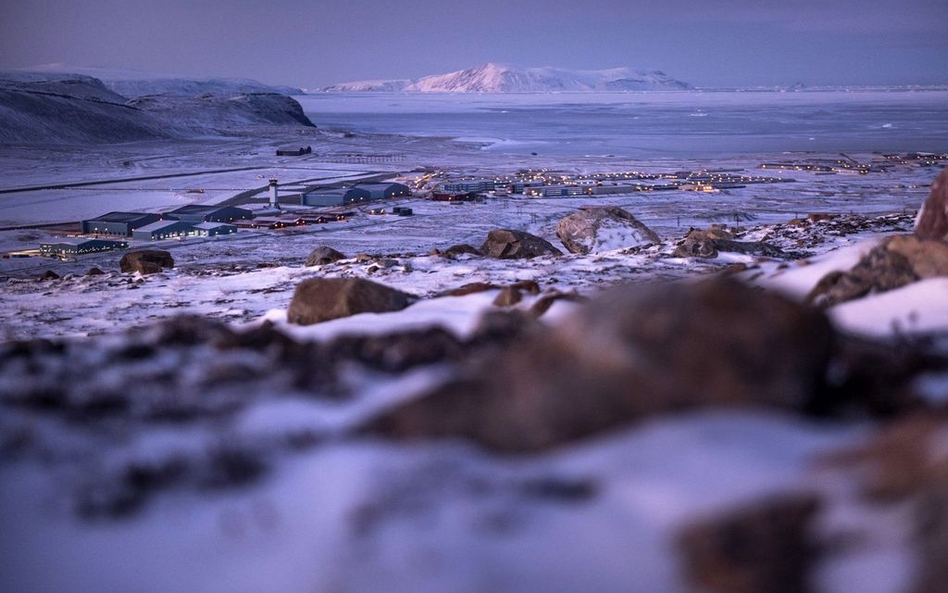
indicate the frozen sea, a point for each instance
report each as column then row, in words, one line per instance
column 677, row 124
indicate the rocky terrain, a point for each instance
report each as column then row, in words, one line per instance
column 738, row 409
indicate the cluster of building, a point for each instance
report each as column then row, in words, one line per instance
column 187, row 221
column 545, row 183
column 828, row 166
column 114, row 229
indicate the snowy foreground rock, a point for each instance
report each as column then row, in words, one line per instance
column 464, row 422
column 642, row 420
column 590, row 230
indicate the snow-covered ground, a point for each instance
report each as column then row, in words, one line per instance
column 330, row 510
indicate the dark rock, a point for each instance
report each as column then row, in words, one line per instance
column 321, row 299
column 508, row 297
column 932, row 222
column 766, row 547
column 230, row 466
column 928, row 258
column 714, row 232
column 560, row 489
column 543, row 304
column 735, row 268
column 528, row 286
column 397, row 352
column 262, row 337
column 459, row 249
column 469, row 288
column 630, row 353
column 324, row 255
column 708, row 243
column 883, row 268
column 931, row 535
column 94, row 272
column 501, row 327
column 580, row 231
column 902, row 461
column 511, row 244
column 876, row 378
column 49, row 275
column 696, row 248
column 149, row 261
column 184, row 330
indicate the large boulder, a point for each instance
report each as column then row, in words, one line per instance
column 894, row 263
column 324, row 255
column 932, row 221
column 630, row 353
column 590, row 230
column 321, row 299
column 511, row 244
column 708, row 243
column 148, row 261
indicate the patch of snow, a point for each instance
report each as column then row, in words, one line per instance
column 920, row 307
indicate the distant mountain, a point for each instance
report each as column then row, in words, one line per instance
column 58, row 108
column 370, row 86
column 497, row 78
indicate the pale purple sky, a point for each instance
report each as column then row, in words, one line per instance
column 312, row 43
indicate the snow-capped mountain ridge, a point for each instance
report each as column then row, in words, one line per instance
column 499, row 78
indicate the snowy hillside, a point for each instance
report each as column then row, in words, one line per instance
column 209, row 112
column 135, row 83
column 189, row 88
column 57, row 108
column 498, row 78
column 69, row 109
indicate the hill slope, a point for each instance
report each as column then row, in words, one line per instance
column 54, row 108
column 69, row 110
column 132, row 88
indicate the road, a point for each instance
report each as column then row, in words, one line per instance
column 15, row 190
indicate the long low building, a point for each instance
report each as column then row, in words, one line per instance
column 118, row 223
column 385, row 191
column 336, row 197
column 70, row 247
column 195, row 213
column 173, row 229
column 214, row 229
column 467, row 186
column 164, row 229
column 363, row 192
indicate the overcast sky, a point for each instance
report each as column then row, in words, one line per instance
column 311, row 43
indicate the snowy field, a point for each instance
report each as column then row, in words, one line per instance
column 652, row 125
